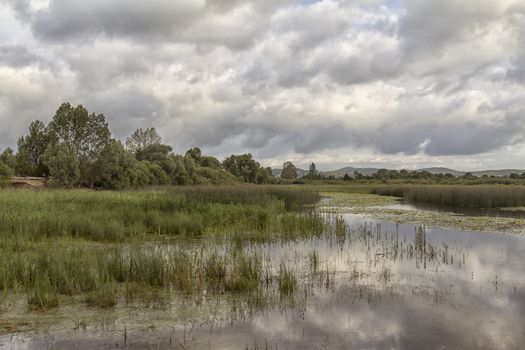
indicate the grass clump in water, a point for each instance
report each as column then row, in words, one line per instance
column 105, row 295
column 43, row 295
column 286, row 279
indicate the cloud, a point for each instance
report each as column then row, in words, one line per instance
column 281, row 79
column 17, row 56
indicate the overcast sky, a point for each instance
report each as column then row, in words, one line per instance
column 394, row 83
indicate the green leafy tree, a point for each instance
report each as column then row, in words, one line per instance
column 289, row 171
column 8, row 158
column 242, row 166
column 31, row 149
column 158, row 154
column 84, row 135
column 145, row 173
column 215, row 176
column 5, row 174
column 262, row 176
column 313, row 173
column 210, row 162
column 142, row 138
column 195, row 153
column 113, row 167
column 180, row 175
column 63, row 166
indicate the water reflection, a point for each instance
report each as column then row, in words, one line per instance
column 375, row 285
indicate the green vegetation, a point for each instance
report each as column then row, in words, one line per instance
column 289, row 171
column 179, row 211
column 458, row 197
column 398, row 177
column 5, row 174
column 107, row 245
column 76, row 149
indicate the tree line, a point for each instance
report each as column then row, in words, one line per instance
column 77, row 149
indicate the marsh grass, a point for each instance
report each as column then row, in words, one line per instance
column 43, row 295
column 458, row 197
column 121, row 216
column 105, row 295
column 286, row 279
column 102, row 248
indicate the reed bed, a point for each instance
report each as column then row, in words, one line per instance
column 121, row 216
column 458, row 197
column 100, row 274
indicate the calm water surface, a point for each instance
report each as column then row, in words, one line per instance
column 379, row 286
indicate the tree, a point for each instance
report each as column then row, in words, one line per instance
column 242, row 166
column 158, row 154
column 144, row 173
column 289, row 171
column 210, row 162
column 63, row 166
column 313, row 173
column 8, row 158
column 113, row 167
column 142, row 138
column 347, row 177
column 84, row 135
column 180, row 174
column 5, row 174
column 31, row 149
column 195, row 153
column 262, row 176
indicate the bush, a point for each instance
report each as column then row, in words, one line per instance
column 5, row 174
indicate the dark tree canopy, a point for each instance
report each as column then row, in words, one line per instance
column 5, row 174
column 243, row 167
column 195, row 153
column 289, row 171
column 8, row 158
column 63, row 166
column 313, row 173
column 31, row 149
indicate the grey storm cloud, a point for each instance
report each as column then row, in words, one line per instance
column 275, row 78
column 17, row 56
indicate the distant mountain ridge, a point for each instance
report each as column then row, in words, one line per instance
column 433, row 170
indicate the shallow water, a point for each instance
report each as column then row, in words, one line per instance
column 379, row 286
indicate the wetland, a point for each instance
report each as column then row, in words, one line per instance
column 248, row 267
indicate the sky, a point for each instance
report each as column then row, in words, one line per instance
column 383, row 83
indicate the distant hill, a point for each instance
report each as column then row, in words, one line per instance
column 433, row 170
column 500, row 172
column 350, row 171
